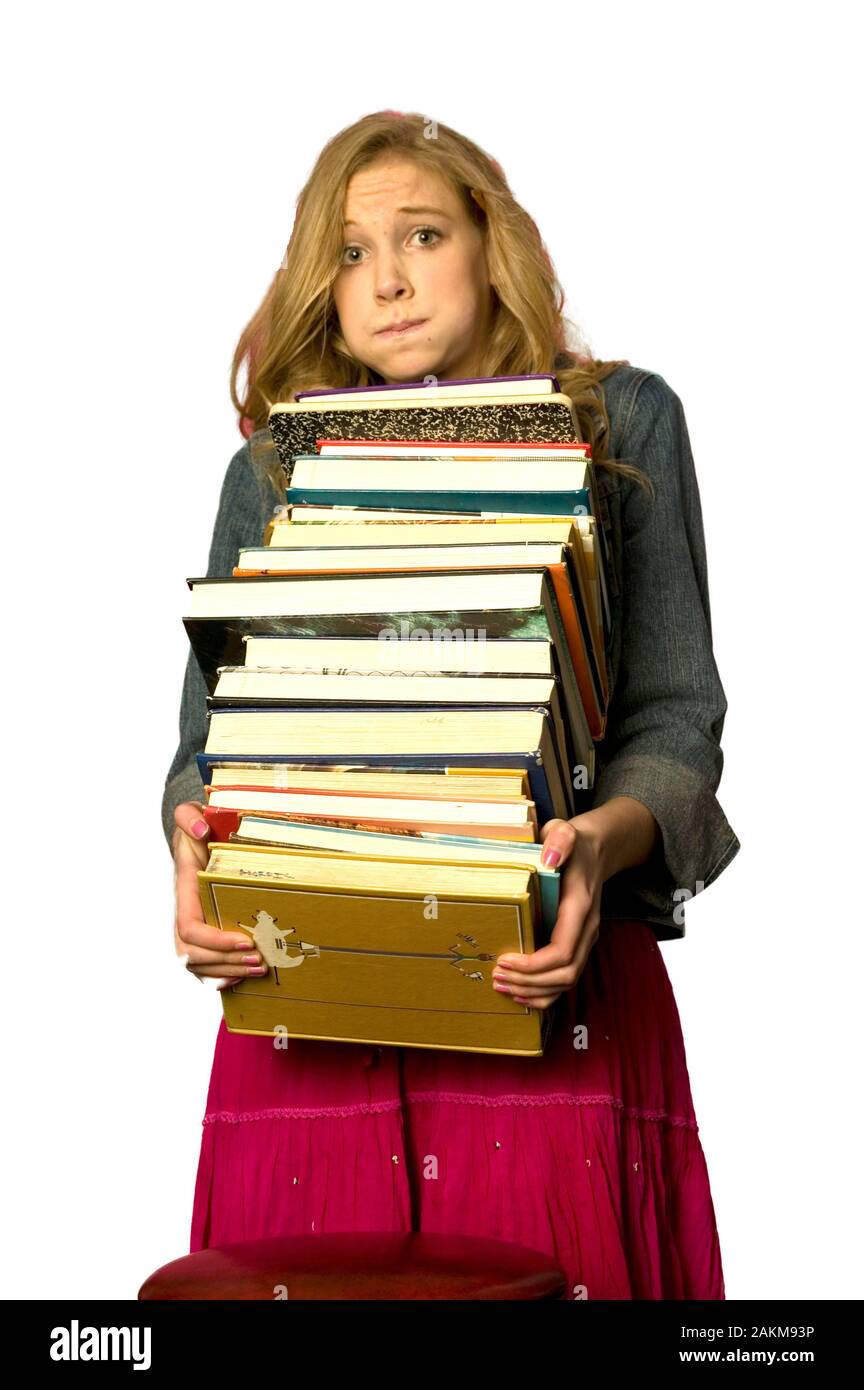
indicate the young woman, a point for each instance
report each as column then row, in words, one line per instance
column 590, row 1152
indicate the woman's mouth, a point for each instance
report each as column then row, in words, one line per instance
column 402, row 330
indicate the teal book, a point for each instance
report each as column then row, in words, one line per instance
column 574, row 502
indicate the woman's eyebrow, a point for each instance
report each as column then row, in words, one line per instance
column 437, row 212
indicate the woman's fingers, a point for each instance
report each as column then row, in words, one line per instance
column 207, row 952
column 558, row 838
column 556, row 967
column 545, row 965
column 192, row 928
column 224, row 965
column 221, row 960
column 538, row 1000
column 189, row 817
column 226, row 969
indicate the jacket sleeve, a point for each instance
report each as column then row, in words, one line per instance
column 245, row 507
column 666, row 713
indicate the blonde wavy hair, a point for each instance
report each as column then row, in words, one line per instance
column 293, row 340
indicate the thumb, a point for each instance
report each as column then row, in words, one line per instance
column 189, row 817
column 558, row 837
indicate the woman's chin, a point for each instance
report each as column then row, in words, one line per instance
column 409, row 367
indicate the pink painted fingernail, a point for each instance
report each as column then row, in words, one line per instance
column 256, row 969
column 250, row 960
column 199, row 828
column 550, row 858
column 505, row 989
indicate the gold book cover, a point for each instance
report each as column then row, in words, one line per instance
column 382, row 951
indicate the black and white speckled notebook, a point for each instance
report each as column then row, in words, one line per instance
column 297, row 426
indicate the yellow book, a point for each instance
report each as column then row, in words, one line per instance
column 380, row 951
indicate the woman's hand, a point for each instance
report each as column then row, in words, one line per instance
column 539, row 979
column 208, row 950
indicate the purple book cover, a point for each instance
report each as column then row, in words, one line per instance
column 411, row 385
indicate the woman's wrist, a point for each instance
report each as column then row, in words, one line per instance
column 624, row 833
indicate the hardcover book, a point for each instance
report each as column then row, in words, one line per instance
column 532, row 383
column 296, row 426
column 394, row 952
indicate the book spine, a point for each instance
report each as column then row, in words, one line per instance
column 530, row 762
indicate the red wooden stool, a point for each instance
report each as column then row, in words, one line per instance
column 360, row 1265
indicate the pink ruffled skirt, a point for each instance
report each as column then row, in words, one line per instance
column 590, row 1153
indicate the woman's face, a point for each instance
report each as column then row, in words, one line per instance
column 410, row 251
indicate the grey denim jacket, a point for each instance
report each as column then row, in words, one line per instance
column 667, row 704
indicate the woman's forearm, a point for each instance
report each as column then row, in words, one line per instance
column 625, row 830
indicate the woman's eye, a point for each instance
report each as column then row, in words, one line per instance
column 420, row 231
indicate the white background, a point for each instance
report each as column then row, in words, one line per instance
column 692, row 169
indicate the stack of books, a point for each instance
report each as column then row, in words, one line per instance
column 405, row 682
